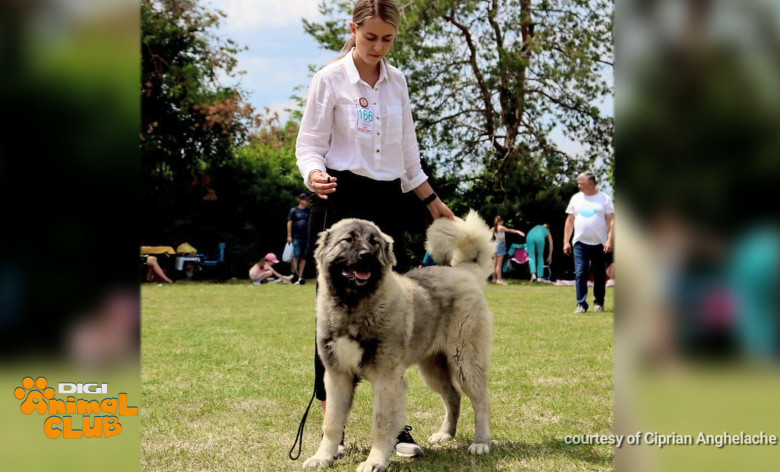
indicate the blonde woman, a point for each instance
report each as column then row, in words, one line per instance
column 357, row 148
column 499, row 233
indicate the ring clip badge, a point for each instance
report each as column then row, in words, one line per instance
column 365, row 117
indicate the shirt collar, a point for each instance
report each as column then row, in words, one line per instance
column 354, row 75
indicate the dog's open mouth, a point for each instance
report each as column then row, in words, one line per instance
column 357, row 275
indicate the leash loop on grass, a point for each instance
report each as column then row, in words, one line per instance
column 299, row 436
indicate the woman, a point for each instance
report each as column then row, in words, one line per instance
column 357, row 148
column 264, row 269
column 499, row 232
column 535, row 242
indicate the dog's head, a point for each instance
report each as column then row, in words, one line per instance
column 354, row 255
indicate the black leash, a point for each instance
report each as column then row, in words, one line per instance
column 299, row 436
column 302, row 425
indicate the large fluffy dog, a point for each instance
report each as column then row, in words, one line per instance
column 374, row 323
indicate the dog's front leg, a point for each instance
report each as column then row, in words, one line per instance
column 339, row 387
column 389, row 419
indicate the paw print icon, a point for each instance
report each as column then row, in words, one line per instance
column 34, row 393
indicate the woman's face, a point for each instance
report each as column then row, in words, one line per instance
column 373, row 39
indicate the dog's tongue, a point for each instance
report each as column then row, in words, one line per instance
column 362, row 275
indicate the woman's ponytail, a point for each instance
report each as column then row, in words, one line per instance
column 347, row 46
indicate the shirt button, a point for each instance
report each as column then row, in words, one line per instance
column 377, row 150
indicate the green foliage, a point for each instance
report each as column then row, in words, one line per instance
column 212, row 171
column 254, row 192
column 264, row 184
column 190, row 123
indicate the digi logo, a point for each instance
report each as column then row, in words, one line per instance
column 69, row 388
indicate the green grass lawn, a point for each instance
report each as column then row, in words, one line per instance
column 227, row 372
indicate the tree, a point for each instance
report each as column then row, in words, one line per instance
column 190, row 123
column 264, row 185
column 491, row 81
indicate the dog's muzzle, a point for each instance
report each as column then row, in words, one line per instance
column 360, row 271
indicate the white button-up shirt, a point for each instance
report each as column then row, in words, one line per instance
column 348, row 125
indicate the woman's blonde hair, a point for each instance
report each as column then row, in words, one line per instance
column 385, row 10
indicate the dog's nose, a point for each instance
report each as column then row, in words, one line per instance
column 364, row 254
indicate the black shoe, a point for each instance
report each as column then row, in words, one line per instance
column 405, row 445
column 342, row 450
column 294, row 278
column 302, row 282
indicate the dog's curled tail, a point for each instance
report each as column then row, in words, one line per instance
column 461, row 242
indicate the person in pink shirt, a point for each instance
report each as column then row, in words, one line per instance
column 264, row 269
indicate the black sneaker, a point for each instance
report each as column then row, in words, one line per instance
column 294, row 278
column 405, row 445
column 342, row 450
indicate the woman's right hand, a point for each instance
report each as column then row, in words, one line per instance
column 322, row 183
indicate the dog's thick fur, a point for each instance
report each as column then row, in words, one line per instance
column 374, row 323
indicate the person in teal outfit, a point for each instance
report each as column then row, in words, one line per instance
column 753, row 275
column 534, row 244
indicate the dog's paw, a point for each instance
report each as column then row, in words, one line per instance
column 439, row 437
column 371, row 466
column 479, row 449
column 315, row 462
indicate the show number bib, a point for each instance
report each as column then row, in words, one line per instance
column 365, row 119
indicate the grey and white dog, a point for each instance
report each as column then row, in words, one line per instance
column 374, row 323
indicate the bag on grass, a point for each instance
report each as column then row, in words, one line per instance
column 287, row 255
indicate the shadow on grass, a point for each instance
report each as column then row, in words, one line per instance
column 452, row 457
column 551, row 447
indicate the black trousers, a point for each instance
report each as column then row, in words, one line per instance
column 359, row 197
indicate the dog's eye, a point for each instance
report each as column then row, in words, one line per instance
column 348, row 239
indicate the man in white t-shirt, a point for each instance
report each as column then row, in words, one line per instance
column 591, row 217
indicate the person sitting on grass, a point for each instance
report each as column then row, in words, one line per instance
column 261, row 271
column 154, row 272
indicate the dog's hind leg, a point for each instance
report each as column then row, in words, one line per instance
column 437, row 376
column 472, row 376
column 340, row 388
column 476, row 389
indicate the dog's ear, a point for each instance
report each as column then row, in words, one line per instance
column 322, row 240
column 387, row 251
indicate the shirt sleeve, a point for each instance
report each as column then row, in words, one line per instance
column 571, row 209
column 609, row 207
column 413, row 175
column 316, row 128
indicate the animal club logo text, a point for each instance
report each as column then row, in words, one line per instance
column 74, row 418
